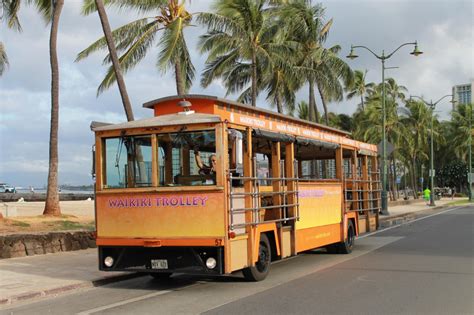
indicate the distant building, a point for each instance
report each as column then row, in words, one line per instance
column 463, row 93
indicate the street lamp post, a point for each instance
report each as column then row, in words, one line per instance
column 432, row 171
column 470, row 179
column 382, row 58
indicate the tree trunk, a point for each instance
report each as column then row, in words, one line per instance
column 180, row 89
column 115, row 61
column 312, row 108
column 394, row 178
column 254, row 79
column 413, row 179
column 52, row 196
column 323, row 100
column 362, row 102
column 279, row 105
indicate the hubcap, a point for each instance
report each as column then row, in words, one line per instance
column 263, row 258
column 350, row 237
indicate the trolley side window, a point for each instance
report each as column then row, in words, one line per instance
column 128, row 162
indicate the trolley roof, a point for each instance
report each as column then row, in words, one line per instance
column 211, row 109
column 236, row 105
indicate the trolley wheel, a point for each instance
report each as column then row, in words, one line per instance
column 262, row 266
column 161, row 275
column 348, row 244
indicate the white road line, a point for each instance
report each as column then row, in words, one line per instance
column 398, row 225
column 140, row 298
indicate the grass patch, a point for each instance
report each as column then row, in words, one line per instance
column 20, row 224
column 71, row 225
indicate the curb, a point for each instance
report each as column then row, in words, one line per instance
column 9, row 301
column 407, row 217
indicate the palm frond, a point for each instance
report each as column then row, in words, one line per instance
column 3, row 59
column 124, row 36
column 139, row 6
column 10, row 10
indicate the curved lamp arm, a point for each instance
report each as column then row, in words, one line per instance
column 420, row 98
column 377, row 56
column 390, row 55
column 442, row 98
column 431, row 104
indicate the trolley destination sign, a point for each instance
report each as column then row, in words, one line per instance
column 170, row 201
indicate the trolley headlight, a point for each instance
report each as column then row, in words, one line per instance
column 108, row 261
column 211, row 263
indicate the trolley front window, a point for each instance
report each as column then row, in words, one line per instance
column 187, row 158
column 128, row 162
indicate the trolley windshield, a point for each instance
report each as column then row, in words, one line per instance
column 182, row 159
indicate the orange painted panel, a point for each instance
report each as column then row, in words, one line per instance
column 161, row 215
column 317, row 237
column 171, row 107
column 150, row 242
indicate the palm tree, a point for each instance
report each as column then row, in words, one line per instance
column 460, row 125
column 135, row 39
column 305, row 26
column 281, row 85
column 328, row 73
column 369, row 125
column 303, row 110
column 359, row 87
column 318, row 65
column 240, row 43
column 51, row 11
column 395, row 91
column 416, row 117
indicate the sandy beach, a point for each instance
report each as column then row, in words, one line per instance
column 80, row 208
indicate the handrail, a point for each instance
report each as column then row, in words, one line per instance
column 255, row 194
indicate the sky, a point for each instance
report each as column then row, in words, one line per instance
column 443, row 29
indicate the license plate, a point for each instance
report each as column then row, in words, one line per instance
column 159, row 264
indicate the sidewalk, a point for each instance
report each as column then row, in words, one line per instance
column 400, row 213
column 31, row 277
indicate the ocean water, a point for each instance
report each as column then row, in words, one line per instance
column 63, row 191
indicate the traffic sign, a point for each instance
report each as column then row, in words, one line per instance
column 470, row 177
column 388, row 147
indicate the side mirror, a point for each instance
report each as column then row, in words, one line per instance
column 236, row 138
column 239, row 153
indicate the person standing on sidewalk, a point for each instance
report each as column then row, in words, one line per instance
column 426, row 195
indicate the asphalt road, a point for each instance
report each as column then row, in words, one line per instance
column 423, row 267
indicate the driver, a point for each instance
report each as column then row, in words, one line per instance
column 203, row 168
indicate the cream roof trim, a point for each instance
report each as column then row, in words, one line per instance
column 163, row 120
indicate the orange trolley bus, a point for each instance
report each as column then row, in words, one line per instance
column 212, row 186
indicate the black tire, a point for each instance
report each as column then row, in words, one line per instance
column 262, row 266
column 161, row 275
column 348, row 244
